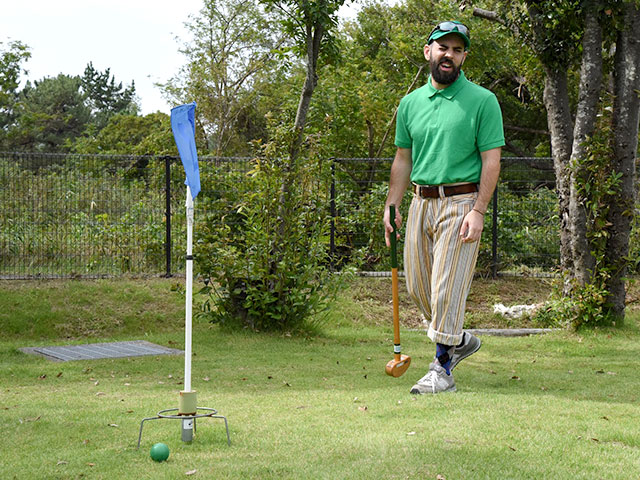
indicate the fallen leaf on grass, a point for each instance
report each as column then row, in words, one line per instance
column 62, row 462
column 605, row 418
column 440, row 477
column 99, row 394
column 515, row 377
column 595, row 440
column 91, row 464
column 191, row 472
column 32, row 419
column 206, row 379
column 363, row 409
column 42, row 377
column 512, row 449
column 286, row 384
column 114, row 425
column 411, row 433
column 59, row 374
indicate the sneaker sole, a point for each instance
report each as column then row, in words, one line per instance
column 415, row 391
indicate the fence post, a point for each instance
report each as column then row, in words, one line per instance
column 494, row 236
column 167, row 194
column 332, row 204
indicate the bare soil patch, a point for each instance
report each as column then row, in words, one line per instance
column 374, row 295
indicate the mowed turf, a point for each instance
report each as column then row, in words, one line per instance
column 562, row 405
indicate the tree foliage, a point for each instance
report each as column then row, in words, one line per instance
column 51, row 113
column 273, row 273
column 130, row 134
column 104, row 97
column 232, row 48
column 12, row 57
column 588, row 40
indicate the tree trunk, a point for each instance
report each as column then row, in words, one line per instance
column 585, row 123
column 314, row 37
column 556, row 100
column 626, row 110
column 314, row 34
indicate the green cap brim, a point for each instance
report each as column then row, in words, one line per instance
column 439, row 34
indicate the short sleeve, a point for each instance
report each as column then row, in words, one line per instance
column 490, row 128
column 403, row 137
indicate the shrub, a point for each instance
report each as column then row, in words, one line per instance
column 266, row 270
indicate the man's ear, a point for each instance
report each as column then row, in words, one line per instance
column 426, row 52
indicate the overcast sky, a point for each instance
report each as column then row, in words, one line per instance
column 136, row 39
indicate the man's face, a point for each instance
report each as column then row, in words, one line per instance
column 446, row 56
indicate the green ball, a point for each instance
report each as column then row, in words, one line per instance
column 159, row 452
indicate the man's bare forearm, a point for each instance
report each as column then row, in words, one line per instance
column 488, row 178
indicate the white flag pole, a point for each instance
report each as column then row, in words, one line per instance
column 189, row 294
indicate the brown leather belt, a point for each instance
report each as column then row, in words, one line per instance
column 434, row 191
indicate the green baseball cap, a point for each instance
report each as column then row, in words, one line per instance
column 445, row 28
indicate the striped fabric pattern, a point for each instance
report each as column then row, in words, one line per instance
column 438, row 265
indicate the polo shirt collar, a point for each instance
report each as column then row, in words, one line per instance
column 451, row 90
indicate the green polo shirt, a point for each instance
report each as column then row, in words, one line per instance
column 447, row 129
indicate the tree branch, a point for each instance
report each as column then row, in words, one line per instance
column 526, row 130
column 494, row 17
column 488, row 15
column 395, row 112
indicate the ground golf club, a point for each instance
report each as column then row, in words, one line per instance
column 400, row 363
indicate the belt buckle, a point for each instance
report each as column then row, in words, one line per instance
column 427, row 188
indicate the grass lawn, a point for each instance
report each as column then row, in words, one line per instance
column 555, row 406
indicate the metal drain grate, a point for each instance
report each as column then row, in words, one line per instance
column 95, row 351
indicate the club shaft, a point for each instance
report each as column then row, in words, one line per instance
column 394, row 284
column 396, row 308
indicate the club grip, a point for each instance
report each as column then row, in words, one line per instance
column 394, row 234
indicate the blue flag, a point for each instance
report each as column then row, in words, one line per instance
column 183, row 124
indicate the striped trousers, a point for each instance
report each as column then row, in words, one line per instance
column 438, row 265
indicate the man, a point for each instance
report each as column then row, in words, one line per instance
column 449, row 136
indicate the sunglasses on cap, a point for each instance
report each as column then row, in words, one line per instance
column 451, row 27
column 445, row 28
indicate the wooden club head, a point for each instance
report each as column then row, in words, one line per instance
column 398, row 366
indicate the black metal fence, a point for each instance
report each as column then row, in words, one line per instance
column 521, row 225
column 91, row 215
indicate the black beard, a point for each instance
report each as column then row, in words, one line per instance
column 442, row 77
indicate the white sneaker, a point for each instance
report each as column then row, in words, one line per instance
column 470, row 345
column 435, row 381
